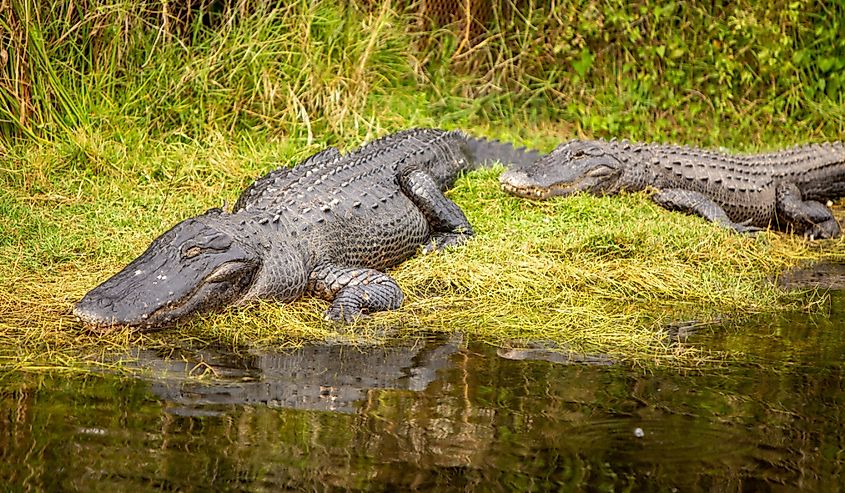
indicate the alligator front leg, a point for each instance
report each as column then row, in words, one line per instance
column 807, row 217
column 354, row 291
column 449, row 225
column 676, row 199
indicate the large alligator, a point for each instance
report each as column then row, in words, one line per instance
column 327, row 227
column 784, row 190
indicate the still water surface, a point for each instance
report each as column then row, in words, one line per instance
column 442, row 414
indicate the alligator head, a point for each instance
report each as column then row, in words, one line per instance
column 576, row 166
column 193, row 267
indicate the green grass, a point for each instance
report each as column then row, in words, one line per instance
column 597, row 275
column 118, row 119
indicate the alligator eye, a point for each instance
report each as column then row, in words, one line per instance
column 192, row 252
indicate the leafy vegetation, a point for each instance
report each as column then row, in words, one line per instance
column 118, row 119
column 718, row 73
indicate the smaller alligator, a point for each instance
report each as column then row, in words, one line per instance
column 327, row 227
column 785, row 190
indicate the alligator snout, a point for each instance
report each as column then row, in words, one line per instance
column 99, row 313
column 514, row 178
column 518, row 183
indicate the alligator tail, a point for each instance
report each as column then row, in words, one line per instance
column 486, row 152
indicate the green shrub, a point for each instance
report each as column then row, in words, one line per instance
column 772, row 71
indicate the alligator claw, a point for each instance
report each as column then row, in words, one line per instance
column 744, row 229
column 822, row 231
column 441, row 241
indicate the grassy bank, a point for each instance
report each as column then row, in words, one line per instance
column 119, row 119
column 596, row 275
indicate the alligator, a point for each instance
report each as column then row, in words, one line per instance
column 783, row 190
column 327, row 227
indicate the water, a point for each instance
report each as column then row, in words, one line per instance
column 442, row 414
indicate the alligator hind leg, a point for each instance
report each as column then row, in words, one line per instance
column 807, row 217
column 449, row 225
column 354, row 291
column 698, row 204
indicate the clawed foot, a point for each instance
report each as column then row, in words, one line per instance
column 746, row 229
column 742, row 228
column 823, row 231
column 440, row 241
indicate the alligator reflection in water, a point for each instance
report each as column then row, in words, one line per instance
column 315, row 377
column 484, row 423
column 552, row 352
column 823, row 275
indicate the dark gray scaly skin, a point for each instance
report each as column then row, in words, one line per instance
column 785, row 189
column 327, row 227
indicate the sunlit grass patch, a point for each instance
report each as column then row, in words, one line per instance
column 597, row 276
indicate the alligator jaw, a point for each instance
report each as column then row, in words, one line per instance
column 93, row 320
column 527, row 192
column 520, row 184
column 96, row 323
